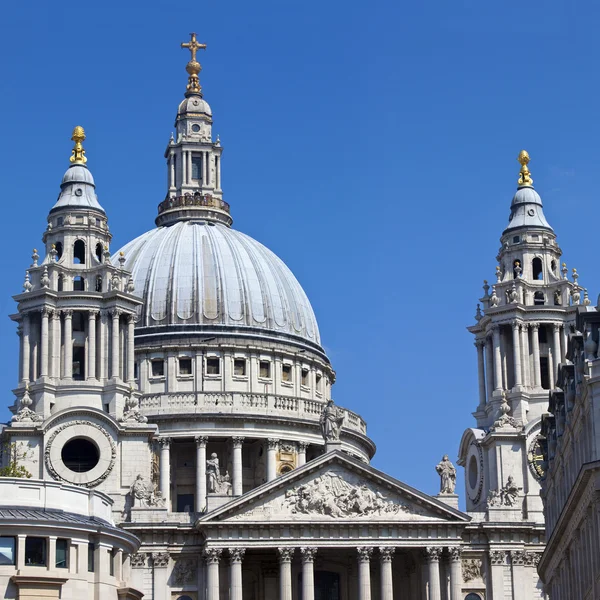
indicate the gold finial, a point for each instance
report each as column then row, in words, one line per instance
column 193, row 67
column 524, row 176
column 78, row 153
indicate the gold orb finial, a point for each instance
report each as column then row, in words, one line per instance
column 524, row 175
column 78, row 153
column 193, row 67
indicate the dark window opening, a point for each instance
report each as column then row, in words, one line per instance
column 557, row 298
column 239, row 367
column 99, row 283
column 185, row 502
column 158, row 368
column 79, row 252
column 536, row 266
column 265, row 369
column 111, row 565
column 516, row 239
column 473, row 472
column 542, row 335
column 99, row 251
column 91, row 549
column 79, row 363
column 78, row 321
column 305, row 377
column 59, row 250
column 326, row 585
column 318, row 378
column 60, row 221
column 544, row 373
column 197, row 167
column 62, row 554
column 286, row 372
column 472, row 596
column 184, row 598
column 60, row 282
column 78, row 284
column 285, row 469
column 7, row 550
column 213, row 366
column 538, row 299
column 553, row 266
column 135, row 370
column 80, row 455
column 35, row 551
column 185, row 366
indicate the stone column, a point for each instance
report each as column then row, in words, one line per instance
column 285, row 573
column 556, row 348
column 103, row 346
column 171, row 171
column 536, row 354
column 218, row 173
column 165, row 469
column 201, row 442
column 364, row 572
column 68, row 353
column 91, row 366
column 213, row 556
column 206, row 165
column 433, row 567
column 525, row 354
column 308, row 573
column 302, row 453
column 496, row 581
column 183, row 168
column 237, row 484
column 115, row 313
column 489, row 367
column 481, row 371
column 130, row 348
column 272, row 446
column 497, row 360
column 25, row 347
column 236, row 555
column 551, row 372
column 516, row 354
column 55, row 352
column 455, row 573
column 44, row 342
column 189, row 167
column 386, row 555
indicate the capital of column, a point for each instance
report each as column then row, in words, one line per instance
column 132, row 319
column 104, row 313
column 212, row 555
column 433, row 553
column 164, row 442
column 160, row 559
column 497, row 557
column 115, row 313
column 534, row 326
column 308, row 554
column 302, row 446
column 92, row 314
column 518, row 557
column 236, row 555
column 515, row 324
column 46, row 311
column 386, row 553
column 455, row 553
column 67, row 313
column 201, row 441
column 237, row 441
column 285, row 554
column 479, row 343
column 364, row 553
column 556, row 327
column 273, row 443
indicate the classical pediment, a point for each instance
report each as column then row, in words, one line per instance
column 331, row 488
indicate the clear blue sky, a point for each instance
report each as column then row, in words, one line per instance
column 371, row 145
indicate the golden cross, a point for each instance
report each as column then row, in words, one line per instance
column 193, row 46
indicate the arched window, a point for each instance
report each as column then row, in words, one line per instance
column 99, row 283
column 99, row 250
column 536, row 267
column 78, row 284
column 184, row 598
column 79, row 252
column 60, row 282
column 472, row 596
column 59, row 250
column 538, row 299
column 553, row 267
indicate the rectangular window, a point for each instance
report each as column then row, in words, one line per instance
column 239, row 367
column 135, row 370
column 305, row 377
column 213, row 366
column 185, row 366
column 185, row 502
column 197, row 167
column 79, row 363
column 318, row 378
column 91, row 548
column 265, row 369
column 544, row 373
column 542, row 335
column 111, row 566
column 59, row 221
column 286, row 372
column 7, row 550
column 158, row 368
column 62, row 554
column 35, row 551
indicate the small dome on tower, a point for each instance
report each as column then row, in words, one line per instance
column 194, row 104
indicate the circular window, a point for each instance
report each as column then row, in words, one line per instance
column 473, row 474
column 80, row 455
column 195, row 128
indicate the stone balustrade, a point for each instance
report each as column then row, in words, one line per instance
column 243, row 403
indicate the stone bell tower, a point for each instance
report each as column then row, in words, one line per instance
column 521, row 333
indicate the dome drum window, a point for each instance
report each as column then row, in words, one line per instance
column 239, row 367
column 264, row 369
column 213, row 365
column 185, row 366
column 286, row 373
column 158, row 367
column 305, row 378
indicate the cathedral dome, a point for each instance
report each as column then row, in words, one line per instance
column 207, row 276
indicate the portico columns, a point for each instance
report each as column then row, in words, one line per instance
column 237, row 488
column 308, row 573
column 516, row 353
column 536, row 354
column 68, row 352
column 116, row 314
column 433, row 566
column 91, row 366
column 165, row 469
column 364, row 572
column 272, row 446
column 386, row 555
column 236, row 556
column 302, row 453
column 497, row 359
column 285, row 573
column 212, row 555
column 481, row 371
column 26, row 349
column 201, row 442
column 455, row 573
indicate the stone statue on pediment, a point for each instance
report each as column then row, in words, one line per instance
column 447, row 473
column 332, row 419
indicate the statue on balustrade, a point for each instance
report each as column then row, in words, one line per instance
column 217, row 483
column 447, row 473
column 331, row 421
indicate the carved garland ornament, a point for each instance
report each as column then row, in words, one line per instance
column 113, row 452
